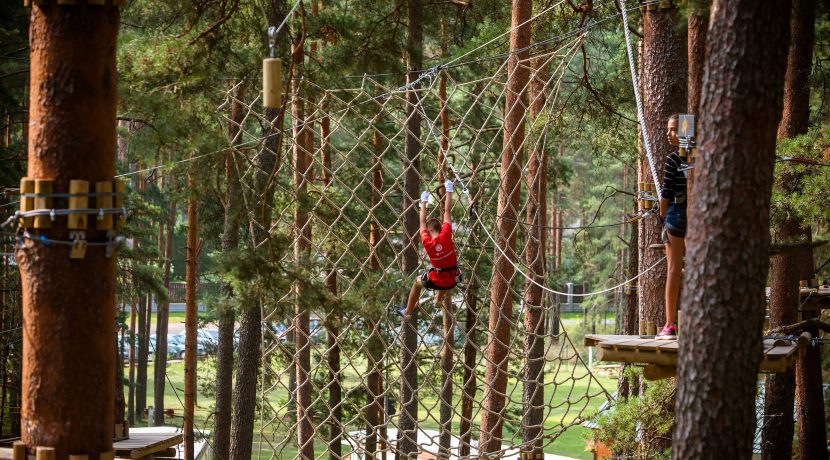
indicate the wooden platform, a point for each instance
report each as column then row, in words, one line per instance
column 660, row 356
column 142, row 445
column 815, row 298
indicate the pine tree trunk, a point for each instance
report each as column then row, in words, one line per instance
column 777, row 435
column 333, row 319
column 727, row 262
column 131, row 358
column 302, row 252
column 374, row 343
column 408, row 421
column 501, row 302
column 191, row 317
column 698, row 25
column 67, row 390
column 162, row 316
column 250, row 328
column 470, row 382
column 142, row 356
column 227, row 316
column 664, row 93
column 534, row 320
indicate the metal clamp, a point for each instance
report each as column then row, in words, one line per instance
column 79, row 244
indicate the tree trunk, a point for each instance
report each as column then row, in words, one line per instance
column 191, row 316
column 664, row 93
column 534, row 321
column 727, row 261
column 698, row 25
column 67, row 390
column 142, row 356
column 501, row 302
column 631, row 323
column 374, row 342
column 777, row 435
column 131, row 360
column 119, row 415
column 250, row 328
column 333, row 319
column 408, row 422
column 230, row 242
column 302, row 252
column 470, row 381
column 162, row 316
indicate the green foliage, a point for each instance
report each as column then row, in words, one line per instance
column 640, row 424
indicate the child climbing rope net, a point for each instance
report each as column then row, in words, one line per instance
column 437, row 239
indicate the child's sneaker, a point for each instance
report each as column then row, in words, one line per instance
column 668, row 333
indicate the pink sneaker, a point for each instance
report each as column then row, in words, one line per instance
column 668, row 333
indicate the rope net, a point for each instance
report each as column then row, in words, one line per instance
column 340, row 374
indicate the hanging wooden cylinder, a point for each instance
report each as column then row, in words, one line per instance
column 271, row 76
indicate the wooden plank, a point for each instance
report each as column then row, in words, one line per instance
column 638, row 356
column 669, row 346
column 591, row 340
column 779, row 352
column 144, row 444
column 656, row 372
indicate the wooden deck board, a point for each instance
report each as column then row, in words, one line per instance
column 777, row 354
column 142, row 444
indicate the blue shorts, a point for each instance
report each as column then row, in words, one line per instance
column 676, row 220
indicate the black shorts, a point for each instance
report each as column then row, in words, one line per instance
column 427, row 283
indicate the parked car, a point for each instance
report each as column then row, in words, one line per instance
column 207, row 341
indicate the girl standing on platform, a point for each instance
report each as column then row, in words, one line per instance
column 673, row 215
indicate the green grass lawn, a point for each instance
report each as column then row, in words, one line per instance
column 564, row 400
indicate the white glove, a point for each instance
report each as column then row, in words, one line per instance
column 449, row 186
column 425, row 196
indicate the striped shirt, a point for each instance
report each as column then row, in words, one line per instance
column 674, row 181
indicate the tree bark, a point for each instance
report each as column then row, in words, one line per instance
column 142, row 356
column 534, row 321
column 191, row 316
column 664, row 93
column 470, row 346
column 727, row 260
column 67, row 390
column 302, row 252
column 227, row 314
column 374, row 342
column 408, row 421
column 501, row 302
column 131, row 360
column 333, row 319
column 250, row 328
column 777, row 435
column 162, row 316
column 698, row 25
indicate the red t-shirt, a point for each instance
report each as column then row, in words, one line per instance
column 441, row 252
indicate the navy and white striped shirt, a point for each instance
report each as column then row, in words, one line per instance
column 674, row 181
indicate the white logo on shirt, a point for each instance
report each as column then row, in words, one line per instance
column 438, row 247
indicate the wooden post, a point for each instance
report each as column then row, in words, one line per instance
column 191, row 316
column 501, row 302
column 67, row 389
